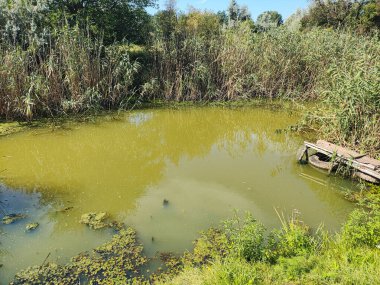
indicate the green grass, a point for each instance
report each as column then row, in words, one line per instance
column 240, row 253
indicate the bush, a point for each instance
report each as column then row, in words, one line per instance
column 246, row 238
column 362, row 229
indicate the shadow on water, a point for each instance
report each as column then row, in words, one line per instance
column 205, row 162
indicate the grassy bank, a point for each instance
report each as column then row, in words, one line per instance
column 239, row 251
column 293, row 254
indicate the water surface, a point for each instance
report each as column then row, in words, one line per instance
column 205, row 161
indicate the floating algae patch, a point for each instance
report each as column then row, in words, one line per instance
column 116, row 262
column 167, row 173
column 10, row 128
column 41, row 235
column 11, row 218
column 95, row 220
column 32, row 226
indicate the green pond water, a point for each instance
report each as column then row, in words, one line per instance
column 206, row 162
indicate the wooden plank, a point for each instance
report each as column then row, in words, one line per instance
column 369, row 160
column 341, row 151
column 365, row 168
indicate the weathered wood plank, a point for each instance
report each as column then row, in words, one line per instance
column 341, row 151
column 365, row 168
column 369, row 160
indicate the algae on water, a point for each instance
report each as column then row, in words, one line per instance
column 11, row 218
column 95, row 220
column 119, row 261
column 32, row 226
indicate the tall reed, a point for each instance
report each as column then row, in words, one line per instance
column 70, row 73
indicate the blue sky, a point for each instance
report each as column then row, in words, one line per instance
column 284, row 7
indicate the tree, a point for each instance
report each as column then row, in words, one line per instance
column 233, row 11
column 236, row 13
column 293, row 23
column 223, row 17
column 23, row 22
column 166, row 20
column 114, row 19
column 244, row 14
column 362, row 15
column 268, row 20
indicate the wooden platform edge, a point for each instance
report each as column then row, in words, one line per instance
column 364, row 168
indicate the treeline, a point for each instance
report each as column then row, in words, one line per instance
column 61, row 57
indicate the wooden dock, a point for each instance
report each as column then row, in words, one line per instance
column 363, row 165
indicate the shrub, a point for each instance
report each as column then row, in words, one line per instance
column 362, row 229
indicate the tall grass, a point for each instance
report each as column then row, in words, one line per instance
column 69, row 73
column 350, row 93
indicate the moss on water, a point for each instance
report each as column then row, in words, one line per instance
column 116, row 262
column 10, row 128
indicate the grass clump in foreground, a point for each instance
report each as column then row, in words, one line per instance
column 291, row 255
column 240, row 251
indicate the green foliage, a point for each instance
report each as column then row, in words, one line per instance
column 246, row 238
column 350, row 90
column 212, row 244
column 362, row 229
column 361, row 15
column 301, row 258
column 22, row 21
column 294, row 239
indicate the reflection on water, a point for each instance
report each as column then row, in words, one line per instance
column 205, row 161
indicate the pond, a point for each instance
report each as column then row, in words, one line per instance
column 204, row 162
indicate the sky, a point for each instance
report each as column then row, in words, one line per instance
column 256, row 7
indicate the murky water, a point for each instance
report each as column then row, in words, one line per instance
column 205, row 161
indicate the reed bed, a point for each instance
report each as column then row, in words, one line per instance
column 201, row 60
column 69, row 73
